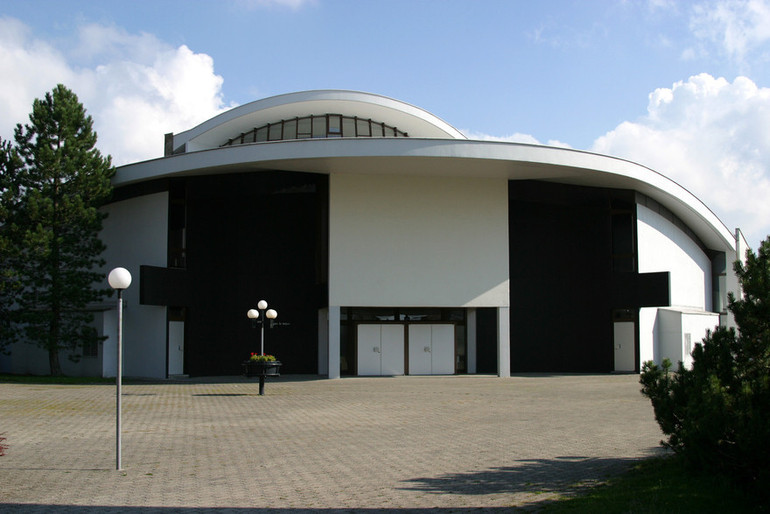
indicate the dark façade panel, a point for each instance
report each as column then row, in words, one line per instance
column 654, row 289
column 250, row 237
column 486, row 340
column 635, row 290
column 163, row 286
column 560, row 278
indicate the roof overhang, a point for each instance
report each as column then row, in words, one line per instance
column 442, row 157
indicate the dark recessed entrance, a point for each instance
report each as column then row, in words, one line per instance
column 237, row 239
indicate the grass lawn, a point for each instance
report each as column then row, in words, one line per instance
column 661, row 485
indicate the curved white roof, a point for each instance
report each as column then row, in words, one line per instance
column 442, row 157
column 433, row 148
column 407, row 118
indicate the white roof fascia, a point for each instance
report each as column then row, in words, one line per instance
column 442, row 157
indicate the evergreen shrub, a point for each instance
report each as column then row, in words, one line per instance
column 716, row 415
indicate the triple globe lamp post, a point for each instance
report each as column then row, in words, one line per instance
column 262, row 368
column 264, row 313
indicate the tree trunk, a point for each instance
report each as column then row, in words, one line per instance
column 53, row 361
column 53, row 349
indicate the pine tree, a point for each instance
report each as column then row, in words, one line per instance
column 10, row 203
column 64, row 181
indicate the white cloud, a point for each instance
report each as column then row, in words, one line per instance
column 712, row 137
column 662, row 5
column 513, row 138
column 136, row 87
column 737, row 27
column 26, row 71
column 291, row 4
column 688, row 54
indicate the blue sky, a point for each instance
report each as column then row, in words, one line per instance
column 682, row 87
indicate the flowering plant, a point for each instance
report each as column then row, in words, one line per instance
column 255, row 357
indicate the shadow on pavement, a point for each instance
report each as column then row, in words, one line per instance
column 568, row 474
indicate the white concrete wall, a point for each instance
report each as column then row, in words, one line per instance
column 676, row 327
column 418, row 241
column 697, row 325
column 664, row 247
column 29, row 359
column 649, row 341
column 135, row 233
column 731, row 279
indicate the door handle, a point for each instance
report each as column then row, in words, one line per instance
column 376, row 349
column 426, row 349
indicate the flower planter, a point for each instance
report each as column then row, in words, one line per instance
column 253, row 369
column 261, row 369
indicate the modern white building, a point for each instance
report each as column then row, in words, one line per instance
column 391, row 244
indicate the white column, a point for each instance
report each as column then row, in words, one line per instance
column 323, row 341
column 503, row 342
column 334, row 341
column 470, row 351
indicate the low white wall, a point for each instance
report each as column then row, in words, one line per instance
column 26, row 359
column 679, row 331
column 135, row 233
column 29, row 359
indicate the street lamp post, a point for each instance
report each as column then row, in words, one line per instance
column 262, row 312
column 260, row 315
column 119, row 279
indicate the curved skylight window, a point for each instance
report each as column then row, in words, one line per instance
column 317, row 126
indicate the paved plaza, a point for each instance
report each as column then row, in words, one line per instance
column 427, row 444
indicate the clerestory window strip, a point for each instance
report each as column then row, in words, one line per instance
column 315, row 127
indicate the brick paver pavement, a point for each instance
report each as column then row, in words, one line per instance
column 443, row 444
